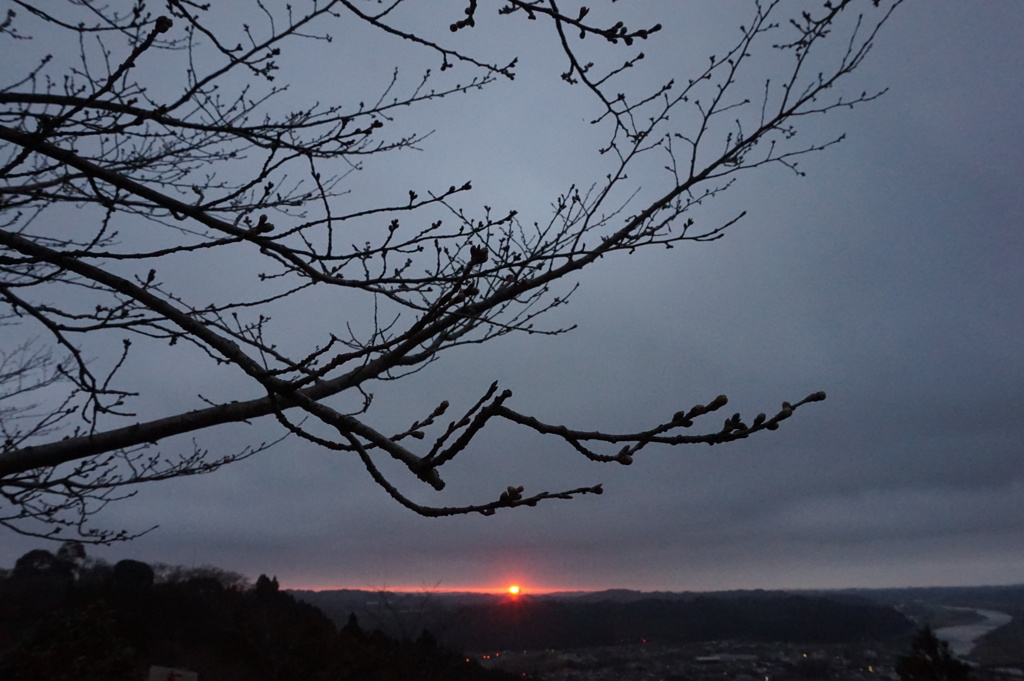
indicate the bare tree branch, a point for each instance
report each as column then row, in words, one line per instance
column 223, row 159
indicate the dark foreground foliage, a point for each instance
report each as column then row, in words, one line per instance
column 75, row 619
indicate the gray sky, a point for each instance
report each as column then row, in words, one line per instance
column 891, row 277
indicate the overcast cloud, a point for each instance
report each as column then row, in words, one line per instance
column 892, row 277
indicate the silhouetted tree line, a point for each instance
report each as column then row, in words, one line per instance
column 931, row 659
column 556, row 623
column 64, row 616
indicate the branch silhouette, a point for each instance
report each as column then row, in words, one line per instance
column 220, row 158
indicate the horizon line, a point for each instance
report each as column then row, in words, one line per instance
column 526, row 590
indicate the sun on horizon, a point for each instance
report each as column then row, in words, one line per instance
column 513, row 590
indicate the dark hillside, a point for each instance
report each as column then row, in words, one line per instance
column 620, row 616
column 548, row 623
column 62, row 619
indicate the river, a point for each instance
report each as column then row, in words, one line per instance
column 962, row 638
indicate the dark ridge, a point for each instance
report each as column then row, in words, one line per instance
column 547, row 623
column 488, row 622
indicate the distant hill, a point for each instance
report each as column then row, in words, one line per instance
column 630, row 595
column 482, row 622
column 551, row 623
column 1006, row 598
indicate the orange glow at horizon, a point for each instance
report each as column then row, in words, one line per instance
column 495, row 589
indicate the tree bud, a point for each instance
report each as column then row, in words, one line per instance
column 718, row 402
column 477, row 255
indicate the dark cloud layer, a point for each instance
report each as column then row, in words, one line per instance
column 891, row 277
